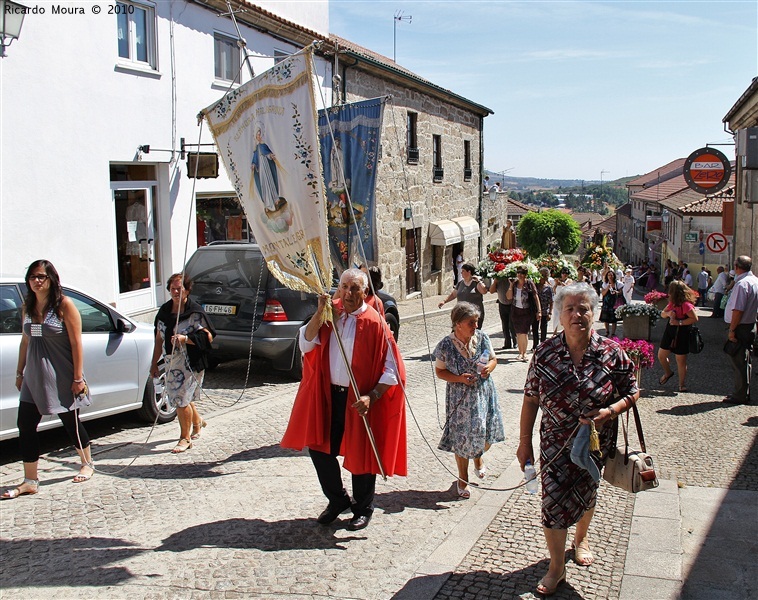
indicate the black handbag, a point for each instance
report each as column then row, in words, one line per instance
column 696, row 340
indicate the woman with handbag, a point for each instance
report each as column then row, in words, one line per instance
column 50, row 373
column 576, row 378
column 680, row 311
column 524, row 310
column 185, row 346
column 613, row 297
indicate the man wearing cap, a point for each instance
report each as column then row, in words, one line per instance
column 719, row 287
column 741, row 313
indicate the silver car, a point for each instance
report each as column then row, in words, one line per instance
column 117, row 354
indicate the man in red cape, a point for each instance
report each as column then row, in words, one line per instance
column 327, row 417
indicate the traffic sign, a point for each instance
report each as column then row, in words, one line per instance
column 707, row 170
column 716, row 242
column 702, row 248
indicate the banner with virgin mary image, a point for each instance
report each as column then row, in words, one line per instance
column 350, row 136
column 266, row 132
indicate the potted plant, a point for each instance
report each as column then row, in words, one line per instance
column 657, row 299
column 641, row 352
column 638, row 318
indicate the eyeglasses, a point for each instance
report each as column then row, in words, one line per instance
column 39, row 278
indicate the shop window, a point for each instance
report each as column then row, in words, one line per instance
column 438, row 257
column 221, row 219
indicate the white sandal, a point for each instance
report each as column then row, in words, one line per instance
column 16, row 492
column 464, row 493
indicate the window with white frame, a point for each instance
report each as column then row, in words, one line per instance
column 136, row 33
column 226, row 57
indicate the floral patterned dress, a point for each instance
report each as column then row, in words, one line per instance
column 473, row 417
column 182, row 384
column 565, row 393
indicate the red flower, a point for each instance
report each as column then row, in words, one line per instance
column 499, row 267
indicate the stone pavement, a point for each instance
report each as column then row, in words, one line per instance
column 234, row 516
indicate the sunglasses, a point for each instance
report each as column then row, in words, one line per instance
column 38, row 278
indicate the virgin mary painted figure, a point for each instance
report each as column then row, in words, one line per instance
column 265, row 173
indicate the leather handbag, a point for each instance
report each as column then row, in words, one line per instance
column 696, row 340
column 634, row 470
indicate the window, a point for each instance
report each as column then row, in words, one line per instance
column 280, row 55
column 226, row 58
column 412, row 138
column 437, row 158
column 136, row 33
column 466, row 160
column 95, row 317
column 10, row 309
column 438, row 257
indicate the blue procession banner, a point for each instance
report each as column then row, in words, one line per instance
column 266, row 132
column 350, row 162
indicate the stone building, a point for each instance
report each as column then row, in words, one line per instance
column 742, row 121
column 429, row 199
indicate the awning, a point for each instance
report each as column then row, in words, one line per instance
column 444, row 233
column 469, row 227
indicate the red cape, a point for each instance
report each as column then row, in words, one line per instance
column 310, row 418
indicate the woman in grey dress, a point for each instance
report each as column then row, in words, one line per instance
column 465, row 359
column 185, row 346
column 49, row 373
column 469, row 289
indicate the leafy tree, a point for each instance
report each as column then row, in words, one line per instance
column 534, row 228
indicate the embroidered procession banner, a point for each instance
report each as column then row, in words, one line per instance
column 350, row 161
column 266, row 133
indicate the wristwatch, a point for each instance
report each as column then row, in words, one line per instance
column 374, row 396
column 614, row 414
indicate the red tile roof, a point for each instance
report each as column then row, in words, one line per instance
column 663, row 190
column 519, row 208
column 667, row 171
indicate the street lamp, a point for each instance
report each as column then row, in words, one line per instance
column 11, row 20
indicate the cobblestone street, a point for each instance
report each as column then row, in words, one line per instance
column 234, row 517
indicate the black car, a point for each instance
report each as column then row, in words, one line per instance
column 226, row 276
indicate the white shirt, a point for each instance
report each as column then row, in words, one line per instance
column 719, row 286
column 628, row 288
column 688, row 279
column 702, row 280
column 345, row 324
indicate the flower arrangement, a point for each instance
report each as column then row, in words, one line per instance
column 556, row 264
column 655, row 296
column 638, row 309
column 496, row 264
column 532, row 272
column 640, row 351
column 598, row 256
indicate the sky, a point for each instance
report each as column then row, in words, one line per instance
column 579, row 90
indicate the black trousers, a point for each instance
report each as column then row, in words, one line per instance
column 535, row 332
column 328, row 468
column 509, row 334
column 741, row 362
column 27, row 420
column 544, row 320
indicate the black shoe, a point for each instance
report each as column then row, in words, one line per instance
column 333, row 511
column 359, row 522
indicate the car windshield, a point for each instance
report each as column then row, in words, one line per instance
column 237, row 267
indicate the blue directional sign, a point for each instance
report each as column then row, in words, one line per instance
column 702, row 248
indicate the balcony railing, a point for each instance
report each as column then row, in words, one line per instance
column 412, row 156
column 437, row 174
column 467, row 174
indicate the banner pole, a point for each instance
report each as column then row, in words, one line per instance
column 357, row 392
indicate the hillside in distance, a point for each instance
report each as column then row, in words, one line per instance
column 536, row 183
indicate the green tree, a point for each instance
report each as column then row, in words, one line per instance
column 534, row 228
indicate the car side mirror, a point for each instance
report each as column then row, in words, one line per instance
column 124, row 326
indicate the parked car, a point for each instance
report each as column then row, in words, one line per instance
column 117, row 355
column 225, row 278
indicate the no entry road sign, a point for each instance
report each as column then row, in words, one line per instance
column 716, row 242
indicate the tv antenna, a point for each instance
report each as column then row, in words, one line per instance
column 399, row 16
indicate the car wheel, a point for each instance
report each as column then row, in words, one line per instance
column 394, row 324
column 155, row 406
column 296, row 372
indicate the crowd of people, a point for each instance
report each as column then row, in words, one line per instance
column 351, row 400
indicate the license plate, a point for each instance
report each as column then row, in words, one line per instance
column 220, row 309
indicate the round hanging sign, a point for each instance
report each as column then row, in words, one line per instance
column 707, row 170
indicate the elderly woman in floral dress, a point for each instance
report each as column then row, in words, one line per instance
column 576, row 377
